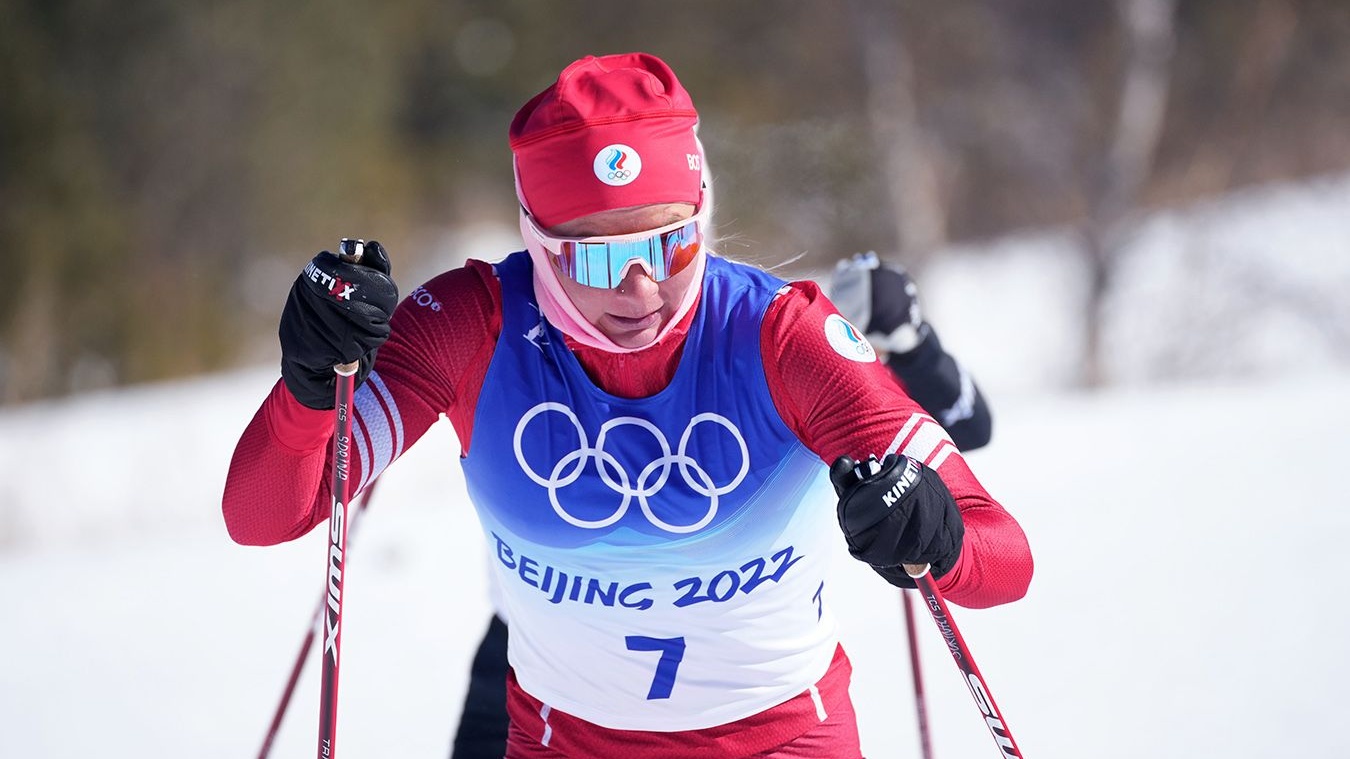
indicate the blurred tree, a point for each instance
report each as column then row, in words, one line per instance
column 906, row 164
column 166, row 167
column 1149, row 30
column 58, row 218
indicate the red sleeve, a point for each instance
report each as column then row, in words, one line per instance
column 442, row 338
column 840, row 406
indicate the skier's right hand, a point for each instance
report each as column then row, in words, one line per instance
column 895, row 512
column 338, row 312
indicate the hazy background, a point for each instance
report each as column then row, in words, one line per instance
column 166, row 167
column 1130, row 220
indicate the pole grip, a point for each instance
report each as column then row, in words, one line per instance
column 350, row 249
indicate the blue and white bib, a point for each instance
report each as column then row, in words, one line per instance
column 661, row 560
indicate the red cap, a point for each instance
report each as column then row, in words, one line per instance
column 613, row 132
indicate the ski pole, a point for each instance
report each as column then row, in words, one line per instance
column 349, row 250
column 920, row 701
column 937, row 606
column 308, row 641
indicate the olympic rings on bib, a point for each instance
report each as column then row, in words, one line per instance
column 647, row 483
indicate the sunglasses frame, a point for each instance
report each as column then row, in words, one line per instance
column 554, row 245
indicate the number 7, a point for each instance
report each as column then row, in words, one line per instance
column 672, row 653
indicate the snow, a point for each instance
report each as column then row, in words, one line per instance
column 1249, row 285
column 1187, row 600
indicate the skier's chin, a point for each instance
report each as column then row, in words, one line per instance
column 630, row 332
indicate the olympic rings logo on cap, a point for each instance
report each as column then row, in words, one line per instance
column 617, row 165
column 649, row 481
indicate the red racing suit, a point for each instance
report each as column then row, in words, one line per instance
column 443, row 339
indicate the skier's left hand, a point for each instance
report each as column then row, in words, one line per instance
column 897, row 511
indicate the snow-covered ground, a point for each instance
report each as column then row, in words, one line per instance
column 1188, row 599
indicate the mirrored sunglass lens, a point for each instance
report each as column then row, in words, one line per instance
column 602, row 263
column 680, row 247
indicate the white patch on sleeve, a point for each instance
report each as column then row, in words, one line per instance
column 922, row 438
column 847, row 341
column 378, row 428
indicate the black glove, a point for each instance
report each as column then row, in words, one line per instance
column 881, row 300
column 897, row 511
column 338, row 312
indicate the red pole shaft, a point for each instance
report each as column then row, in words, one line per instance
column 290, row 687
column 920, row 700
column 305, row 645
column 336, row 565
column 937, row 606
